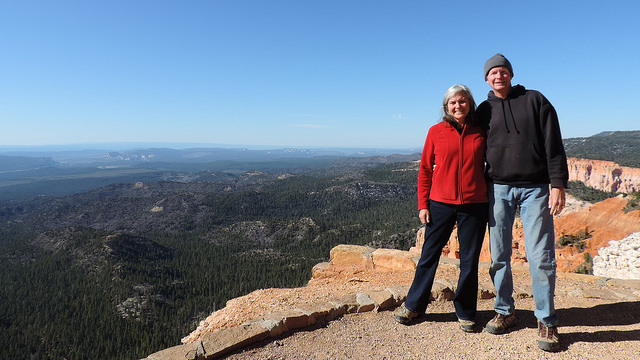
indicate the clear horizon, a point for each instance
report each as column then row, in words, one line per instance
column 146, row 145
column 179, row 146
column 356, row 74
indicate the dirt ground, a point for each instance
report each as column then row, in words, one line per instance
column 590, row 328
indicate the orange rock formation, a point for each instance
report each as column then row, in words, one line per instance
column 604, row 221
column 604, row 175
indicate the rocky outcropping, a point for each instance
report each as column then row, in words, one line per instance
column 329, row 305
column 604, row 175
column 602, row 222
column 620, row 260
column 212, row 341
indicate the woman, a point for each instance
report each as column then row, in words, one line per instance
column 451, row 189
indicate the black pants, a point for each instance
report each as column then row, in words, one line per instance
column 472, row 223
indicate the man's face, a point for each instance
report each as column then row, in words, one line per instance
column 499, row 78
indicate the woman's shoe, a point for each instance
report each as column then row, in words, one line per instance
column 467, row 325
column 406, row 316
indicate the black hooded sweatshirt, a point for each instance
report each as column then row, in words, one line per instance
column 524, row 144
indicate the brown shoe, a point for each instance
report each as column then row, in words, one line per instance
column 548, row 337
column 406, row 316
column 467, row 325
column 500, row 323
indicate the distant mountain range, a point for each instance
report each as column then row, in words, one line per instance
column 11, row 158
column 25, row 171
column 58, row 172
column 618, row 146
column 18, row 163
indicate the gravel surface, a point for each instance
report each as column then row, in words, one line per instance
column 590, row 328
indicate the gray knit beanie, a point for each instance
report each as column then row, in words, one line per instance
column 497, row 60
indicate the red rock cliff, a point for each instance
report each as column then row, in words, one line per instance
column 604, row 175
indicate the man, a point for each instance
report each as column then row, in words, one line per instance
column 525, row 157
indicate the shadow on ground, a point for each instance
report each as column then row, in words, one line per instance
column 614, row 314
column 602, row 315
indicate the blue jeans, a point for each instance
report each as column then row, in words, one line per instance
column 539, row 239
column 472, row 224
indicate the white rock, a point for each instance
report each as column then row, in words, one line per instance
column 621, row 259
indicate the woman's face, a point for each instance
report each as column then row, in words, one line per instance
column 458, row 106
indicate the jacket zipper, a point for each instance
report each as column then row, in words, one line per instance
column 460, row 163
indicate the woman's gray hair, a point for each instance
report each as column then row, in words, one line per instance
column 471, row 117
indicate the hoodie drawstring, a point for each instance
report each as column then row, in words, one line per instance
column 504, row 117
column 513, row 119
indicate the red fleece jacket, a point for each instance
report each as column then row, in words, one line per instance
column 452, row 166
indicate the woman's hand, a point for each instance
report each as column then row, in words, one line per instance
column 425, row 216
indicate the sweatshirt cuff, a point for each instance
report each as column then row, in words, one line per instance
column 559, row 183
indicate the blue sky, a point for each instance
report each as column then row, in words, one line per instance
column 300, row 73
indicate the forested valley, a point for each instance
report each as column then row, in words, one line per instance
column 127, row 269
